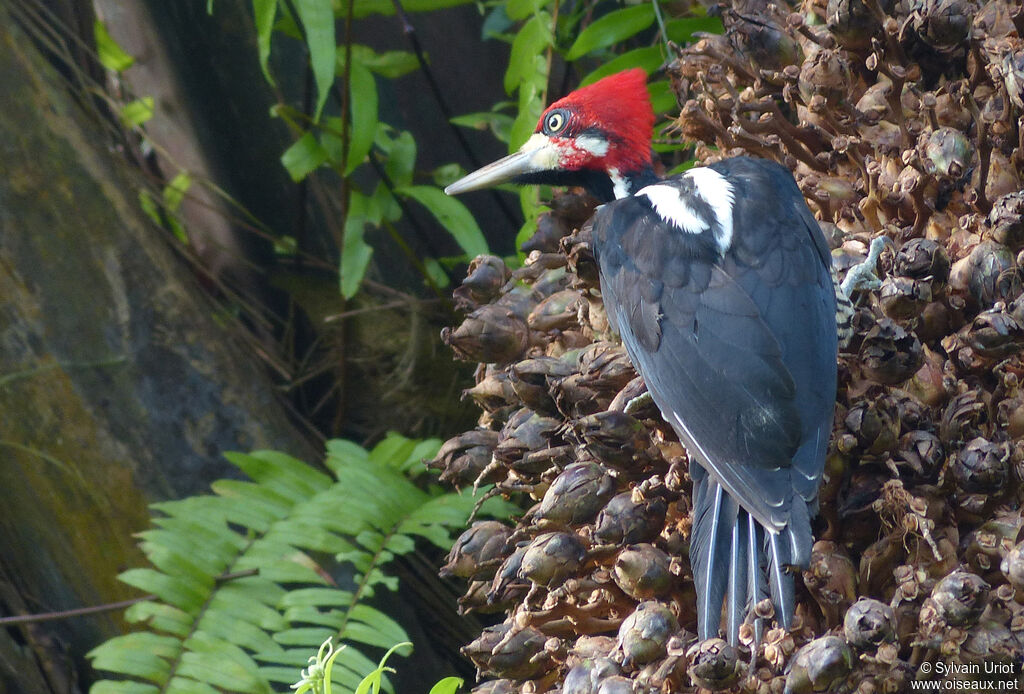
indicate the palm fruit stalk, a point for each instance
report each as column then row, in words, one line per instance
column 900, row 119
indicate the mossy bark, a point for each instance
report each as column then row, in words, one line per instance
column 119, row 385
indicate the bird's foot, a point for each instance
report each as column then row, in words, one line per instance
column 862, row 276
column 636, row 404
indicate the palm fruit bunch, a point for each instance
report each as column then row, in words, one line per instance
column 901, row 120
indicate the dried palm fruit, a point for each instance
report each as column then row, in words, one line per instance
column 478, row 549
column 714, row 665
column 900, row 119
column 577, row 494
column 484, row 279
column 644, row 634
column 820, row 666
column 643, row 572
column 889, row 354
column 551, row 558
column 492, row 333
column 506, row 651
column 626, row 521
column 958, row 599
column 869, row 624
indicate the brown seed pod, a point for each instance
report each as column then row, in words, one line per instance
column 1012, row 566
column 945, row 25
column 644, row 634
column 921, row 452
column 889, row 354
column 820, row 666
column 922, row 259
column 532, row 379
column 506, row 651
column 577, row 494
column 551, row 229
column 462, row 458
column 981, row 466
column 1006, row 220
column 484, row 279
column 643, row 572
column 947, row 153
column 480, row 548
column 869, row 623
column 902, row 297
column 831, row 579
column 525, row 432
column 875, row 424
column 497, row 687
column 854, row 22
column 492, row 333
column 551, row 558
column 587, row 676
column 714, row 665
column 995, row 334
column 960, row 598
column 626, row 521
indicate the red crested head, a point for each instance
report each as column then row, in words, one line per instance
column 598, row 137
column 606, row 126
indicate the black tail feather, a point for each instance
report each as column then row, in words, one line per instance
column 739, row 572
column 732, row 555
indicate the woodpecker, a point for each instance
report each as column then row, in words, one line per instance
column 719, row 282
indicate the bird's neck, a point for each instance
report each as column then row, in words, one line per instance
column 603, row 185
column 626, row 184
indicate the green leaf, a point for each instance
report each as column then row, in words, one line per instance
column 663, row 99
column 530, row 107
column 355, row 252
column 174, row 192
column 341, row 451
column 436, row 273
column 649, row 59
column 530, row 43
column 612, row 28
column 520, row 9
column 303, row 157
column 363, row 109
column 317, row 17
column 137, row 112
column 150, row 207
column 452, row 215
column 183, row 593
column 264, row 12
column 497, row 123
column 387, row 7
column 110, row 54
column 682, row 30
column 449, row 685
column 401, row 159
column 389, row 64
column 122, row 687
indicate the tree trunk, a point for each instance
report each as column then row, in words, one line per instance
column 118, row 384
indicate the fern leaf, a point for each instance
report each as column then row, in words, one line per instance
column 316, row 597
column 122, row 687
column 141, row 654
column 161, row 617
column 212, row 629
column 185, row 594
column 187, row 685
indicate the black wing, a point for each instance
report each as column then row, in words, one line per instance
column 738, row 350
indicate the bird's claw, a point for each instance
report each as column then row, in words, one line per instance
column 636, row 404
column 862, row 276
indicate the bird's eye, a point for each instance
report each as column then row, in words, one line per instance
column 554, row 122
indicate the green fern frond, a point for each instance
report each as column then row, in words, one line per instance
column 241, row 602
